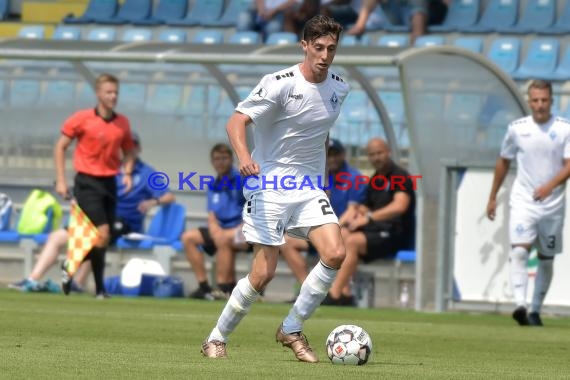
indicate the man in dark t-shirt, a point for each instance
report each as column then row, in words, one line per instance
column 381, row 226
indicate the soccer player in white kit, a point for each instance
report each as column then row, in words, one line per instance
column 293, row 111
column 541, row 145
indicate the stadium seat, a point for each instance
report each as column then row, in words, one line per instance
column 165, row 98
column 245, row 37
column 133, row 96
column 202, row 12
column 58, row 93
column 429, row 40
column 351, row 40
column 4, row 9
column 96, row 10
column 538, row 15
column 70, row 33
column 230, row 14
column 131, row 11
column 562, row 24
column 101, row 34
column 173, row 35
column 32, row 31
column 24, row 93
column 497, row 12
column 136, row 35
column 282, row 38
column 461, row 118
column 562, row 71
column 505, row 53
column 475, row 44
column 165, row 228
column 461, row 14
column 205, row 36
column 394, row 40
column 540, row 61
column 166, row 12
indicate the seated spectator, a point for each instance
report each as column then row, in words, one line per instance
column 222, row 237
column 296, row 17
column 399, row 12
column 132, row 207
column 266, row 16
column 343, row 11
column 380, row 227
column 343, row 201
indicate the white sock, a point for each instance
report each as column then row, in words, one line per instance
column 243, row 296
column 313, row 292
column 541, row 284
column 519, row 276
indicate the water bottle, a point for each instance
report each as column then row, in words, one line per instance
column 404, row 296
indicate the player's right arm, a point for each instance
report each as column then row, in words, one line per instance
column 59, row 157
column 501, row 169
column 237, row 134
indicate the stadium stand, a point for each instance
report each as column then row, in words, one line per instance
column 230, row 14
column 64, row 32
column 32, row 31
column 167, row 12
column 245, row 37
column 460, row 15
column 496, row 13
column 351, row 40
column 203, row 12
column 130, row 12
column 540, row 60
column 58, row 93
column 165, row 98
column 394, row 40
column 4, row 9
column 173, row 35
column 282, row 38
column 562, row 72
column 562, row 24
column 429, row 40
column 97, row 11
column 538, row 15
column 24, row 93
column 205, row 36
column 136, row 35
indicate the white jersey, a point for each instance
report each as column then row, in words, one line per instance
column 292, row 119
column 540, row 150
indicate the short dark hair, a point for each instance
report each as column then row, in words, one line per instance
column 320, row 26
column 541, row 85
column 221, row 148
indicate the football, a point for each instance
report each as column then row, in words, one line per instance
column 349, row 344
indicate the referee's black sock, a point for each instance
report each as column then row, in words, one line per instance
column 97, row 257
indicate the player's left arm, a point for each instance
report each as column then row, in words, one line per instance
column 545, row 190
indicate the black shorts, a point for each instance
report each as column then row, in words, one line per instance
column 381, row 243
column 97, row 197
column 209, row 247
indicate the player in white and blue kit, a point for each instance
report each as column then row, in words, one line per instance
column 292, row 111
column 541, row 145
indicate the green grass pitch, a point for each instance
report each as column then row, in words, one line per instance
column 45, row 336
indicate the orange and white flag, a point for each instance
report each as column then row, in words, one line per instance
column 82, row 237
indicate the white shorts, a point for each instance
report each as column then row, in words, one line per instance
column 531, row 225
column 267, row 214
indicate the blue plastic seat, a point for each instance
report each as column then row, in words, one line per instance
column 205, row 36
column 505, row 53
column 32, row 31
column 166, row 12
column 173, row 35
column 96, row 10
column 352, row 40
column 461, row 14
column 496, row 13
column 562, row 71
column 429, row 40
column 58, row 93
column 538, row 15
column 230, row 14
column 474, row 44
column 24, row 93
column 4, row 9
column 540, row 61
column 562, row 24
column 137, row 35
column 69, row 33
column 133, row 96
column 101, row 34
column 245, row 37
column 282, row 38
column 165, row 228
column 131, row 11
column 202, row 12
column 165, row 98
column 394, row 40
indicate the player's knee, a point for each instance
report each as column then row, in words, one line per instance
column 518, row 254
column 334, row 256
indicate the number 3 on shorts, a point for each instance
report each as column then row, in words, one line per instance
column 325, row 207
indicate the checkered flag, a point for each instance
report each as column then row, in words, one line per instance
column 82, row 236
